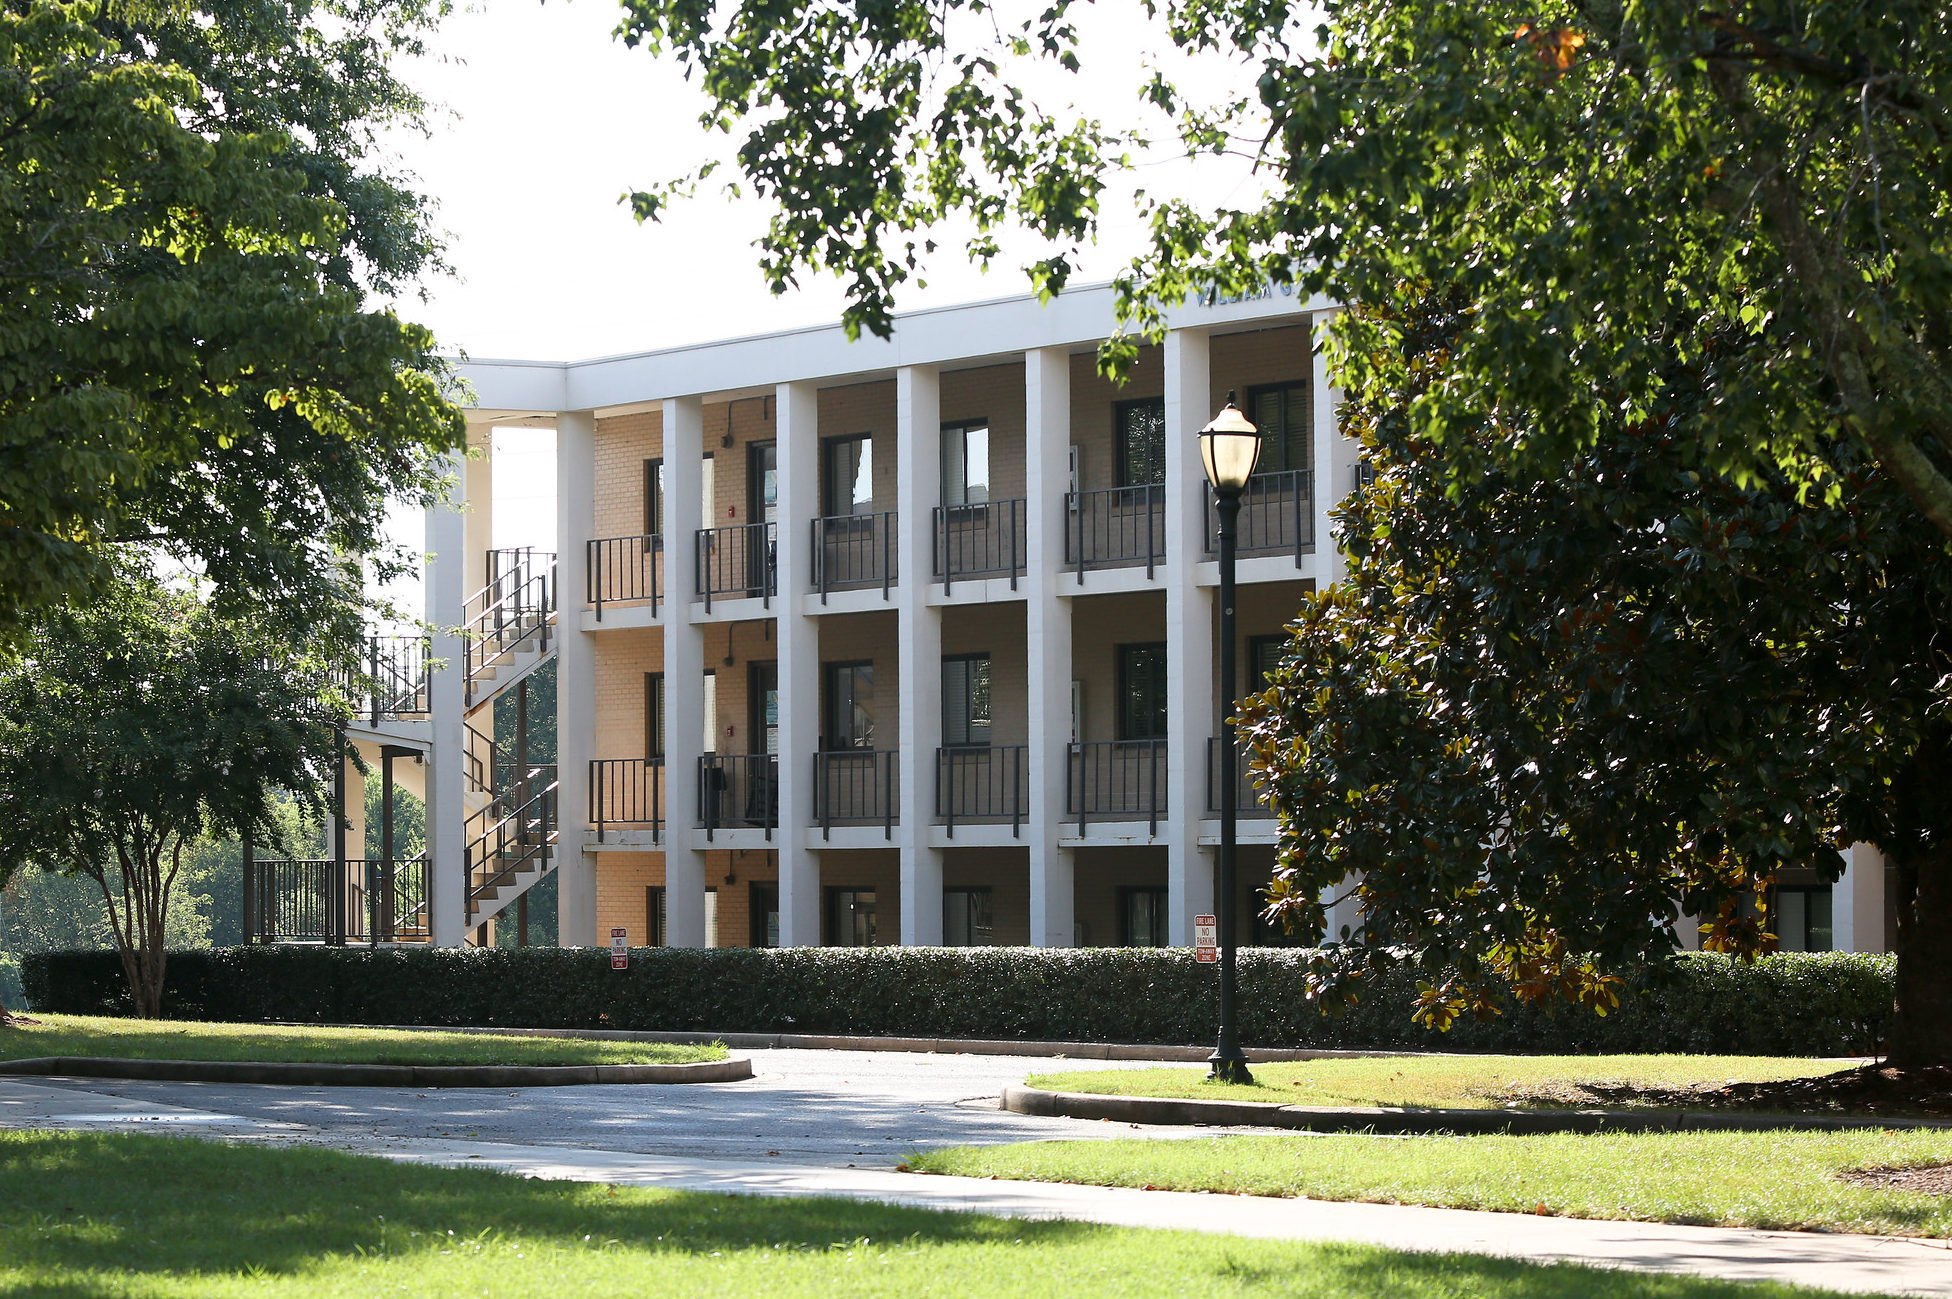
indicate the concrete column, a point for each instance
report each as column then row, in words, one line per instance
column 446, row 702
column 1342, row 914
column 1857, row 901
column 798, row 437
column 479, row 532
column 684, row 673
column 1192, row 704
column 576, row 868
column 355, row 812
column 1047, row 617
column 1336, row 457
column 918, row 490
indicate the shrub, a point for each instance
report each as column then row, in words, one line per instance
column 1804, row 1004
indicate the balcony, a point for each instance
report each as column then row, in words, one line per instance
column 310, row 901
column 1115, row 527
column 853, row 552
column 981, row 783
column 979, row 541
column 1249, row 799
column 1277, row 517
column 856, row 787
column 391, row 682
column 1117, row 780
column 627, row 794
column 625, row 570
column 738, row 791
column 738, row 562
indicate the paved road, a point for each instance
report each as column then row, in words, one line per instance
column 833, row 1109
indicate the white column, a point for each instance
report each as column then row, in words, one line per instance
column 684, row 673
column 355, row 812
column 1343, row 912
column 446, row 693
column 1336, row 456
column 1857, row 901
column 797, row 432
column 918, row 490
column 1192, row 705
column 479, row 533
column 575, row 678
column 1047, row 441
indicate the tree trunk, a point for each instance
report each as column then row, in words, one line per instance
column 1922, row 1032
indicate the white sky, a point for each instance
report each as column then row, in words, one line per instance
column 545, row 121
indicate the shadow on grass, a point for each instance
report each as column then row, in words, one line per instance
column 72, row 1205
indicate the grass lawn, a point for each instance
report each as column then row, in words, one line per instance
column 138, row 1215
column 189, row 1040
column 1457, row 1081
column 1730, row 1179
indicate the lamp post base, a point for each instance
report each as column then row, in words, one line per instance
column 1228, row 1065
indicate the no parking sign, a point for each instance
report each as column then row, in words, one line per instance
column 1206, row 939
column 619, row 949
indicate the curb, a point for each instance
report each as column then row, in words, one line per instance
column 1404, row 1122
column 378, row 1075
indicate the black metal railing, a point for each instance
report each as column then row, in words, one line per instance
column 1115, row 527
column 986, row 540
column 518, row 841
column 1249, row 799
column 738, row 791
column 981, row 782
column 1276, row 516
column 391, row 679
column 856, row 787
column 1117, row 780
column 312, row 901
column 627, row 793
column 738, row 562
column 854, row 551
column 625, row 570
column 513, row 612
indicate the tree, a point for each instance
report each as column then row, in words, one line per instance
column 131, row 729
column 193, row 228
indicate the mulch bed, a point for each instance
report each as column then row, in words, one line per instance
column 1934, row 1179
column 1868, row 1091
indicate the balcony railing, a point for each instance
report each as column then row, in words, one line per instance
column 627, row 793
column 311, row 901
column 1115, row 527
column 391, row 679
column 625, row 570
column 511, row 615
column 738, row 791
column 982, row 783
column 738, row 561
column 985, row 540
column 1277, row 516
column 1249, row 799
column 1117, row 780
column 856, row 787
column 854, row 551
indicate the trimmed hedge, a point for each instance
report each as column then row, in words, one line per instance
column 1817, row 1004
column 1785, row 1005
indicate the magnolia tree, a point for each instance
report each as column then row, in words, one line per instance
column 133, row 728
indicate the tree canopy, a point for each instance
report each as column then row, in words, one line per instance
column 193, row 227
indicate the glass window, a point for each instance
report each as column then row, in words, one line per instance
column 711, row 917
column 1802, row 919
column 966, row 699
column 850, row 706
column 654, row 497
column 966, row 463
column 654, row 915
column 1280, row 411
column 1142, row 691
column 966, row 918
column 711, row 713
column 765, row 913
column 1142, row 442
column 850, row 917
column 1142, row 917
column 654, row 716
column 1263, row 657
column 849, row 476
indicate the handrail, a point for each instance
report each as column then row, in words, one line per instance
column 1114, row 527
column 856, row 787
column 1276, row 516
column 738, row 790
column 625, row 570
column 619, row 794
column 523, row 608
column 965, row 541
column 307, row 900
column 526, row 834
column 390, row 680
column 981, row 782
column 738, row 560
column 1249, row 798
column 1109, row 778
column 854, row 550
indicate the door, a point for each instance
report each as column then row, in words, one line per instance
column 762, row 509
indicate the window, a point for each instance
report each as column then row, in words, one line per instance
column 1263, row 657
column 654, row 915
column 654, row 498
column 1142, row 691
column 1141, row 427
column 1280, row 411
column 966, row 463
column 1802, row 919
column 711, row 712
column 711, row 917
column 847, row 479
column 1142, row 917
column 762, row 700
column 850, row 917
column 654, row 716
column 850, row 707
column 1272, row 933
column 765, row 913
column 966, row 918
column 966, row 699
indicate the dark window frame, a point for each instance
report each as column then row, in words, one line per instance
column 1127, row 893
column 829, row 731
column 1291, row 441
column 1121, row 434
column 654, row 717
column 1126, row 715
column 654, row 902
column 829, row 505
column 988, row 893
column 828, row 917
column 964, row 427
column 989, row 726
column 653, row 499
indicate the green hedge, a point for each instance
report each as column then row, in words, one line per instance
column 1819, row 1004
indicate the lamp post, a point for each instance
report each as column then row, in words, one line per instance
column 1230, row 446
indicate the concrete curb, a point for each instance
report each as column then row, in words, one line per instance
column 1406, row 1122
column 316, row 1073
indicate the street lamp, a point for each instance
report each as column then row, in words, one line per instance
column 1230, row 446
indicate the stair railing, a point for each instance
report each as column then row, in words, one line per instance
column 516, row 608
column 513, row 844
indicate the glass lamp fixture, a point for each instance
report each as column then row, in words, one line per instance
column 1230, row 447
